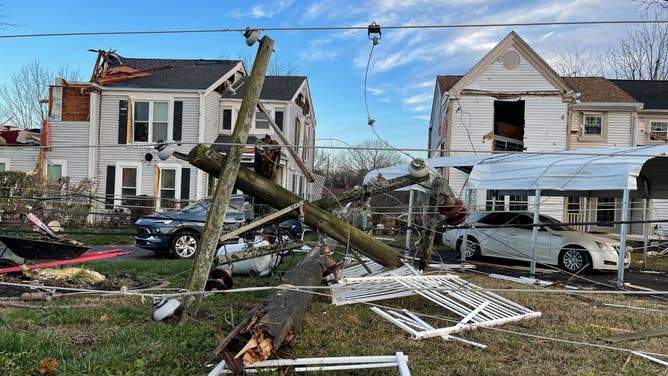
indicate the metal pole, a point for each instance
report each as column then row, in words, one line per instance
column 409, row 222
column 462, row 253
column 622, row 240
column 534, row 232
column 645, row 232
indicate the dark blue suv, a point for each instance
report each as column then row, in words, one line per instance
column 177, row 232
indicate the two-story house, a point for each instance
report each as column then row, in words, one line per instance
column 512, row 100
column 105, row 130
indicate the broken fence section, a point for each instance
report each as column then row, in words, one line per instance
column 478, row 308
column 398, row 360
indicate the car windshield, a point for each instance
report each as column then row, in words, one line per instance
column 553, row 224
column 197, row 206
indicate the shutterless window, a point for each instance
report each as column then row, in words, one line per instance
column 278, row 118
column 167, row 188
column 227, row 119
column 261, row 121
column 54, row 172
column 128, row 185
column 3, row 166
column 659, row 128
column 605, row 211
column 593, row 125
column 151, row 121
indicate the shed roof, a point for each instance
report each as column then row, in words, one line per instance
column 281, row 88
column 188, row 74
column 595, row 172
column 653, row 94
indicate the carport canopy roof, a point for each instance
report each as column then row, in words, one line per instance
column 583, row 172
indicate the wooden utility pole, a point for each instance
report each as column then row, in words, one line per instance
column 211, row 161
column 226, row 178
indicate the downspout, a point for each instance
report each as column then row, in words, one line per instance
column 634, row 126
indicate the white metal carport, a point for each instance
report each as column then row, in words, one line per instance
column 638, row 172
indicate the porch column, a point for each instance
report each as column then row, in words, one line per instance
column 622, row 240
column 534, row 232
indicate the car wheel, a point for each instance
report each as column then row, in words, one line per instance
column 184, row 245
column 471, row 247
column 573, row 259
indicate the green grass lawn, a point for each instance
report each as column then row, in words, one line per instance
column 116, row 335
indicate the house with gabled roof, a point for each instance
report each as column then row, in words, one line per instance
column 512, row 100
column 106, row 129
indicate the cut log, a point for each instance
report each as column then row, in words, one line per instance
column 275, row 321
column 251, row 183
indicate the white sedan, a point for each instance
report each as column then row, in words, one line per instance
column 508, row 235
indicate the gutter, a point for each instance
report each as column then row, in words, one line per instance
column 607, row 106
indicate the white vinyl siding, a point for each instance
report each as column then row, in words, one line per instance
column 617, row 133
column 69, row 141
column 212, row 117
column 20, row 158
column 523, row 78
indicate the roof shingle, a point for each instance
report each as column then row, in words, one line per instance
column 281, row 88
column 653, row 94
column 598, row 89
column 188, row 74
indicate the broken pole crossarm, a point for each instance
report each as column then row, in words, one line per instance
column 257, row 252
column 214, row 221
column 291, row 148
column 259, row 222
column 211, row 161
column 368, row 190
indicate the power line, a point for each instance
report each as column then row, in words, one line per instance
column 334, row 28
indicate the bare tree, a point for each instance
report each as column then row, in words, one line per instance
column 367, row 156
column 643, row 54
column 577, row 61
column 21, row 98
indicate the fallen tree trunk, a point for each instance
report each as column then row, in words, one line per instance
column 275, row 321
column 257, row 252
column 249, row 182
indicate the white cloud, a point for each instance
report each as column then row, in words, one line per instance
column 416, row 99
column 422, row 117
column 374, row 91
column 319, row 55
column 420, row 108
column 266, row 10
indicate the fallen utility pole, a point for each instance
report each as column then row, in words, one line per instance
column 251, row 183
column 254, row 252
column 276, row 320
column 369, row 190
column 259, row 222
column 228, row 170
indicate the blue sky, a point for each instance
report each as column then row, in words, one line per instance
column 404, row 64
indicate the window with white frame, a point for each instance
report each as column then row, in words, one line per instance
column 4, row 165
column 278, row 117
column 261, row 121
column 593, row 126
column 55, row 169
column 167, row 188
column 151, row 121
column 660, row 129
column 128, row 184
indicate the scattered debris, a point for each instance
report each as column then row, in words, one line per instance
column 411, row 323
column 653, row 359
column 618, row 330
column 478, row 308
column 636, row 335
column 451, row 266
column 525, row 280
column 632, row 307
column 399, row 361
column 79, row 275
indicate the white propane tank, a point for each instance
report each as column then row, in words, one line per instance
column 260, row 265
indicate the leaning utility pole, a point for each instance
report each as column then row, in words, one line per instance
column 226, row 179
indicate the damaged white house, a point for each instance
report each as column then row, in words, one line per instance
column 512, row 100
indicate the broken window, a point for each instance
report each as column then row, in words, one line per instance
column 128, row 185
column 508, row 125
column 151, row 121
column 167, row 188
column 659, row 128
